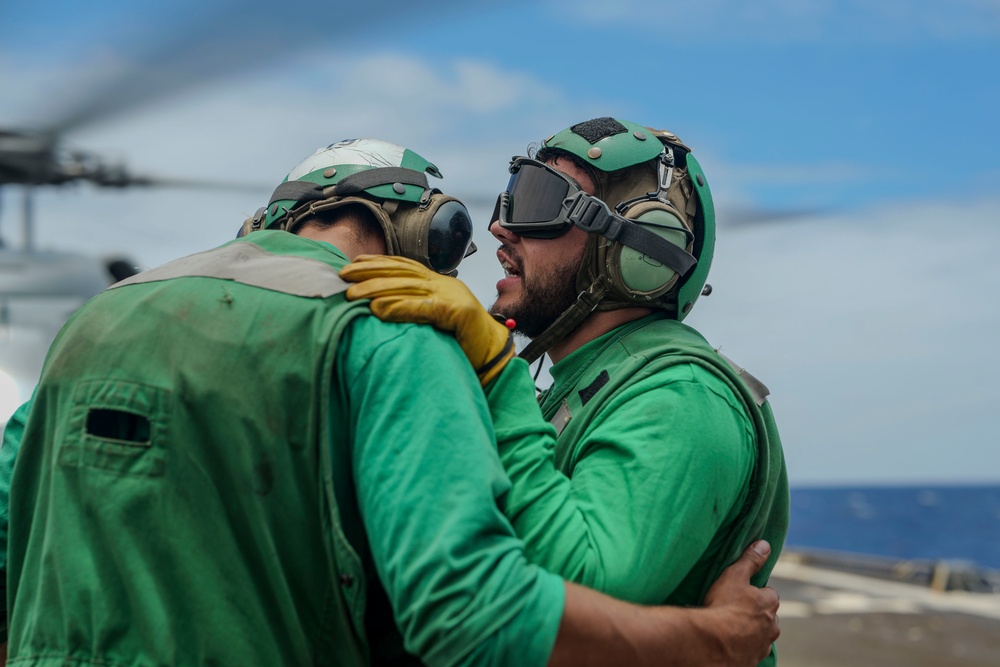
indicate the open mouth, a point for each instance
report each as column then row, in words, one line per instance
column 508, row 262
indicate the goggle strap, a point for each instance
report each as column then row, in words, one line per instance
column 370, row 178
column 565, row 323
column 594, row 217
column 657, row 247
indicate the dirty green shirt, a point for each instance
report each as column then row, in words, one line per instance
column 425, row 476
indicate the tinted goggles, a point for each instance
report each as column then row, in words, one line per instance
column 536, row 201
column 543, row 203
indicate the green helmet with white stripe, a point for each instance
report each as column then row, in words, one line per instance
column 419, row 221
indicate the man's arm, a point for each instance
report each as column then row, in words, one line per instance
column 12, row 434
column 665, row 636
column 428, row 477
column 655, row 474
column 737, row 626
column 650, row 485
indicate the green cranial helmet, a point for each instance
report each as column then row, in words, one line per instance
column 650, row 178
column 329, row 166
column 418, row 221
column 651, row 235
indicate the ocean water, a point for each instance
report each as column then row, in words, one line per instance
column 906, row 522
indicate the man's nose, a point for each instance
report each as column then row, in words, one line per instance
column 503, row 234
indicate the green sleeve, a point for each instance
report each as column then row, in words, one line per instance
column 13, row 431
column 428, row 478
column 12, row 434
column 657, row 472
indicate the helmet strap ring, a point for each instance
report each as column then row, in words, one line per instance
column 665, row 173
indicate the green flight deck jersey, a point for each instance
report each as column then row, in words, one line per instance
column 224, row 459
column 659, row 464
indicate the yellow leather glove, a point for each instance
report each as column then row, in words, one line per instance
column 402, row 290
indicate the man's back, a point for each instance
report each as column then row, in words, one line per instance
column 295, row 481
column 166, row 492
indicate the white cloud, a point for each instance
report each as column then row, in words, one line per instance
column 875, row 334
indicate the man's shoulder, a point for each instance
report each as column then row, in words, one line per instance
column 408, row 356
column 669, row 347
column 367, row 333
column 638, row 348
column 666, row 348
column 653, row 336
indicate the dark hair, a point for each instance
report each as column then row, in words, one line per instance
column 548, row 154
column 361, row 217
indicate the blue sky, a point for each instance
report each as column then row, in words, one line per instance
column 865, row 131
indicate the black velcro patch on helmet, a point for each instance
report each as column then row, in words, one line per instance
column 596, row 129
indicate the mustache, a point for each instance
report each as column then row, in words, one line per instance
column 511, row 255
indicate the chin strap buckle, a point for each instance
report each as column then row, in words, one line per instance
column 665, row 173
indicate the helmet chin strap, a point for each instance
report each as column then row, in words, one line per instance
column 566, row 323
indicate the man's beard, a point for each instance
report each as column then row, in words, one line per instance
column 545, row 294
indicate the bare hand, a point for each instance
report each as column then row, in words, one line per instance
column 744, row 617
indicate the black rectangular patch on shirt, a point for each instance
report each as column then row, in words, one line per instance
column 588, row 392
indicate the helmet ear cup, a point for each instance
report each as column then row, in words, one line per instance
column 635, row 276
column 438, row 234
column 252, row 224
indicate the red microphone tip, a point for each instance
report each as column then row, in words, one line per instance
column 510, row 324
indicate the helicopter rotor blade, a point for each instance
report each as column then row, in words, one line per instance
column 757, row 216
column 213, row 40
column 181, row 183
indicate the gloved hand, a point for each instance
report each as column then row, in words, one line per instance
column 403, row 290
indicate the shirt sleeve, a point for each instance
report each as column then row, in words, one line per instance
column 657, row 471
column 12, row 434
column 428, row 477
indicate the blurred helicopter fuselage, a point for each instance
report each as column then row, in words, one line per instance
column 38, row 293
